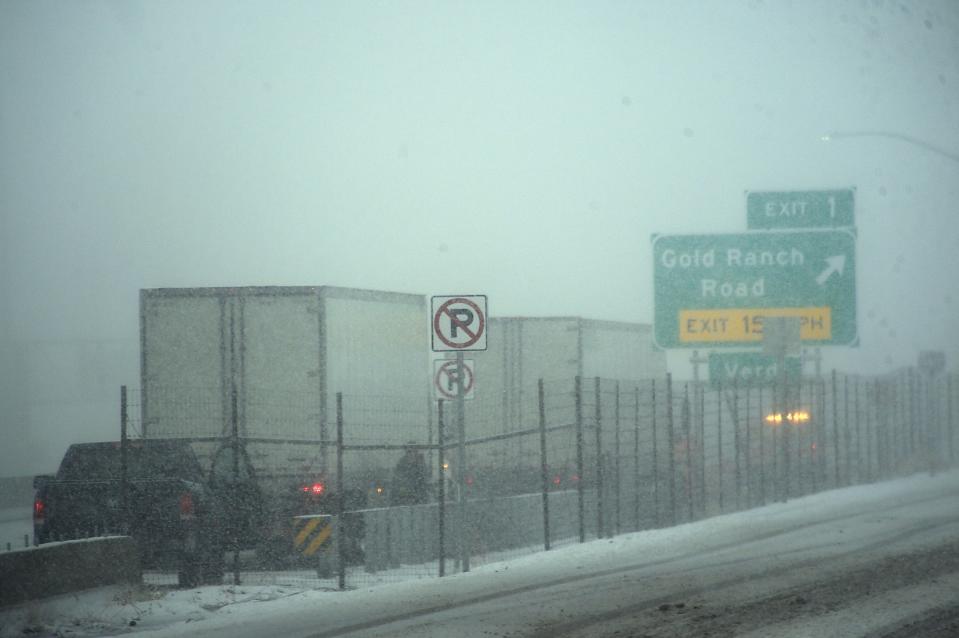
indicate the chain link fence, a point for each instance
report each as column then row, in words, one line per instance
column 393, row 488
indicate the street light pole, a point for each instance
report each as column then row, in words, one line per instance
column 835, row 135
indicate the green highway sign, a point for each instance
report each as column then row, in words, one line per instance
column 716, row 290
column 750, row 369
column 800, row 209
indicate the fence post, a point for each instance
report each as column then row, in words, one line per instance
column 903, row 447
column 578, row 401
column 908, row 431
column 617, row 486
column 441, row 488
column 882, row 431
column 737, row 443
column 600, row 468
column 671, row 435
column 811, row 440
column 235, row 439
column 884, row 452
column 656, row 519
column 762, row 449
column 124, row 446
column 688, row 434
column 856, row 411
column 835, row 427
column 719, row 445
column 891, row 392
column 949, row 423
column 847, row 428
column 340, row 497
column 784, row 437
column 636, row 457
column 749, row 449
column 775, row 446
column 929, row 418
column 702, row 445
column 899, row 435
column 820, row 433
column 798, row 431
column 811, row 399
column 544, row 467
column 870, row 431
column 913, row 417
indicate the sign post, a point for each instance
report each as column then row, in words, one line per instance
column 717, row 290
column 459, row 324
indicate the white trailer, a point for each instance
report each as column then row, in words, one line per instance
column 556, row 349
column 269, row 361
column 523, row 350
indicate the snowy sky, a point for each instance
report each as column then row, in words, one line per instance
column 522, row 150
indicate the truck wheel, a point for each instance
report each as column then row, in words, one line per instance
column 325, row 567
column 190, row 572
column 213, row 567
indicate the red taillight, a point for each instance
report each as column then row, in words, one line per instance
column 38, row 510
column 186, row 505
column 316, row 489
column 557, row 480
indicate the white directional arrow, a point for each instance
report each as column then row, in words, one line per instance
column 836, row 264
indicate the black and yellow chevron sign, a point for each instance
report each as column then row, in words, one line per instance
column 312, row 533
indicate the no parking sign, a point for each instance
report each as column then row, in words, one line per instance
column 458, row 323
column 445, row 375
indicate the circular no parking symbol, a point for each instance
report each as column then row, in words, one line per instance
column 459, row 323
column 447, row 375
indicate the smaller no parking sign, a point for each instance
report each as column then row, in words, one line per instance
column 458, row 323
column 445, row 374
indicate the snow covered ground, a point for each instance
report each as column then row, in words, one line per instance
column 252, row 610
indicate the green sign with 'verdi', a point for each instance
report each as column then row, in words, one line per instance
column 751, row 369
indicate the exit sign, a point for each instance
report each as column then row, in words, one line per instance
column 718, row 290
column 767, row 210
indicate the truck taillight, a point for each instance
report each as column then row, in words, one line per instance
column 186, row 505
column 38, row 511
column 316, row 489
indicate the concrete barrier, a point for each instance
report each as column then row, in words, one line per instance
column 68, row 566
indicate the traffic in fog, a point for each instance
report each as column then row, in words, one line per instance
column 346, row 301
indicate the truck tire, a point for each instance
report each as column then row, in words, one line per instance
column 213, row 566
column 325, row 566
column 190, row 572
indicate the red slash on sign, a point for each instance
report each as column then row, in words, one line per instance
column 459, row 323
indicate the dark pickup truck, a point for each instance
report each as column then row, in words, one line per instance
column 161, row 500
